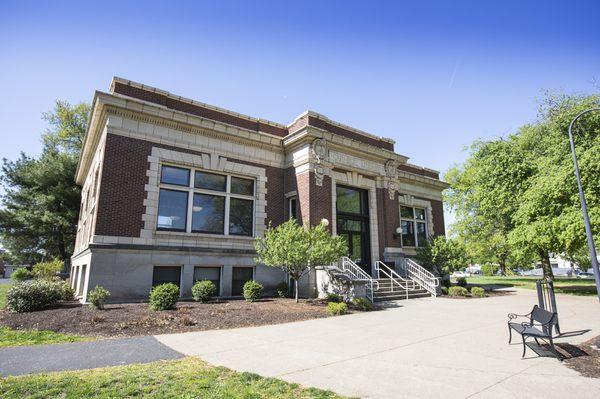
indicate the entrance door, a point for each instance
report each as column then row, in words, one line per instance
column 352, row 210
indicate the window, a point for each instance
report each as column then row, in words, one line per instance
column 292, row 210
column 211, row 274
column 172, row 210
column 166, row 274
column 173, row 175
column 414, row 226
column 239, row 277
column 210, row 203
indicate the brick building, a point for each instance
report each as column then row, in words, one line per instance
column 176, row 190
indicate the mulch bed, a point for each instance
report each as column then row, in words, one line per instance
column 585, row 358
column 130, row 319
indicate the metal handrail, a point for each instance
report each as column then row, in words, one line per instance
column 357, row 273
column 422, row 276
column 394, row 277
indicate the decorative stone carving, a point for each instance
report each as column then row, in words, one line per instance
column 319, row 174
column 408, row 199
column 391, row 169
column 319, row 150
column 392, row 188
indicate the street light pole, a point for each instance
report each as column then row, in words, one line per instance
column 586, row 218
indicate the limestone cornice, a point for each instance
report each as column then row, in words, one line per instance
column 105, row 104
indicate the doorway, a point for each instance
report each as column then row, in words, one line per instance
column 352, row 212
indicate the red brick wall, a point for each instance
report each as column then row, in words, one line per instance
column 388, row 219
column 320, row 123
column 122, row 193
column 418, row 171
column 437, row 209
column 320, row 200
column 195, row 109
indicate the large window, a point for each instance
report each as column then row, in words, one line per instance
column 204, row 202
column 414, row 226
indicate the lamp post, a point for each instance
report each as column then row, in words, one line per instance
column 586, row 218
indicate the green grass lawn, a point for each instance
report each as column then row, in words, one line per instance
column 185, row 378
column 3, row 290
column 563, row 285
column 9, row 337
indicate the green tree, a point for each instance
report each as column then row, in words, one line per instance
column 40, row 206
column 296, row 249
column 443, row 255
column 516, row 198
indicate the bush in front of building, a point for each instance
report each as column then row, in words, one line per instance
column 282, row 290
column 203, row 291
column 66, row 292
column 30, row 296
column 477, row 292
column 98, row 296
column 21, row 274
column 47, row 270
column 461, row 282
column 336, row 309
column 252, row 290
column 164, row 297
column 362, row 304
column 458, row 291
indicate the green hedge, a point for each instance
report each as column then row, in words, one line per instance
column 477, row 292
column 164, row 297
column 335, row 308
column 98, row 296
column 458, row 291
column 29, row 296
column 203, row 291
column 252, row 290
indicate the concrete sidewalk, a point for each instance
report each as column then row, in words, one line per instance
column 20, row 360
column 424, row 348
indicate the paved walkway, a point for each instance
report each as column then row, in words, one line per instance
column 424, row 348
column 21, row 360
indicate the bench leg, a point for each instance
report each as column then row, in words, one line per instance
column 524, row 346
column 536, row 341
column 509, row 334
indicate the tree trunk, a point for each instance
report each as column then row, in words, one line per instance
column 546, row 267
column 296, row 288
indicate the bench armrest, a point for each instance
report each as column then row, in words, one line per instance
column 512, row 316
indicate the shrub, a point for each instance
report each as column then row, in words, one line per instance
column 252, row 290
column 362, row 304
column 335, row 308
column 488, row 269
column 461, row 282
column 164, row 297
column 331, row 297
column 444, row 290
column 47, row 270
column 66, row 292
column 458, row 291
column 203, row 291
column 20, row 274
column 33, row 295
column 477, row 292
column 282, row 290
column 97, row 297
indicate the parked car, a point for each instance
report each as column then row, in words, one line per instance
column 458, row 274
column 585, row 275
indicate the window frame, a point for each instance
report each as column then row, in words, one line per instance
column 191, row 190
column 415, row 221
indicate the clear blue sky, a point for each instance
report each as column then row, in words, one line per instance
column 433, row 76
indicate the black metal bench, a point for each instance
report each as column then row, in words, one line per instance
column 539, row 326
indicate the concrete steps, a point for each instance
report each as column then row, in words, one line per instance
column 389, row 291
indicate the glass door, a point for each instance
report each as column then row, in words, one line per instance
column 353, row 224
